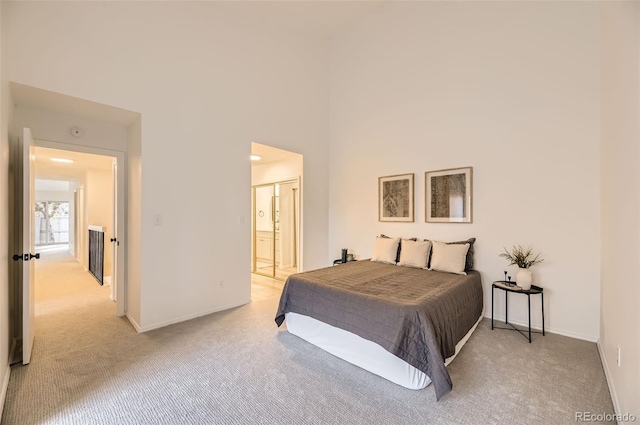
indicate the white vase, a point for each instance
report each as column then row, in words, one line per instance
column 524, row 278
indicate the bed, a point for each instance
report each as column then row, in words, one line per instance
column 402, row 323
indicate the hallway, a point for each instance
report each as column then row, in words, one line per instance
column 68, row 298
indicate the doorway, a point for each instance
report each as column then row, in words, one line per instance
column 277, row 211
column 276, row 218
column 87, row 186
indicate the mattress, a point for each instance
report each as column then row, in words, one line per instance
column 364, row 353
column 416, row 315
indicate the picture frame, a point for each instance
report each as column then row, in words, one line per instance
column 395, row 198
column 449, row 195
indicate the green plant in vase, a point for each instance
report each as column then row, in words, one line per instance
column 524, row 258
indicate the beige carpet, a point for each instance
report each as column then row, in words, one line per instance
column 237, row 367
column 72, row 309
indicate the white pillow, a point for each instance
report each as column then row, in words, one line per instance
column 414, row 253
column 449, row 258
column 386, row 250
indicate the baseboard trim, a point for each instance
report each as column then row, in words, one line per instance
column 135, row 324
column 12, row 352
column 607, row 374
column 538, row 327
column 187, row 317
column 5, row 386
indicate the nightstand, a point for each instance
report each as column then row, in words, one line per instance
column 504, row 286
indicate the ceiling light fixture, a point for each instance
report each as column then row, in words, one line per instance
column 255, row 157
column 66, row 161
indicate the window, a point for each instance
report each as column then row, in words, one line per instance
column 52, row 222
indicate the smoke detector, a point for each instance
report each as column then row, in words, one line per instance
column 76, row 132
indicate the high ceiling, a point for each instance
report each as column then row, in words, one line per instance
column 320, row 18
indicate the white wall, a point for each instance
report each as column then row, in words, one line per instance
column 55, row 127
column 5, row 294
column 73, row 249
column 620, row 210
column 206, row 84
column 83, row 239
column 509, row 88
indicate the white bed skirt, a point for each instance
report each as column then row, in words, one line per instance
column 362, row 352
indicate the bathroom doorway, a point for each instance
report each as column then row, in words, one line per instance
column 275, row 215
column 276, row 212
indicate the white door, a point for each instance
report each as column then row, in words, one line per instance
column 117, row 275
column 114, row 232
column 28, row 245
column 76, row 229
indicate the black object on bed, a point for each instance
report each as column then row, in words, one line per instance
column 415, row 314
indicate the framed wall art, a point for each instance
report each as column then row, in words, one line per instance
column 448, row 197
column 395, row 198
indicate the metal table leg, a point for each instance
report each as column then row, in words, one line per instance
column 542, row 302
column 506, row 307
column 492, row 307
column 529, row 305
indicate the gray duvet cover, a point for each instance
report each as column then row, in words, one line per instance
column 415, row 314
